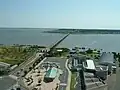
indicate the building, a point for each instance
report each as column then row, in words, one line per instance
column 89, row 66
column 107, row 58
column 72, row 52
column 4, row 66
column 76, row 63
column 51, row 74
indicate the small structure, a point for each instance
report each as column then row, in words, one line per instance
column 13, row 67
column 59, row 50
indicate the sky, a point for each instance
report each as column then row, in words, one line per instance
column 60, row 13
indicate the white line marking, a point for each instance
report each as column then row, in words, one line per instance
column 63, row 84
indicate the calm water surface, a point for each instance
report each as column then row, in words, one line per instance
column 28, row 37
column 106, row 42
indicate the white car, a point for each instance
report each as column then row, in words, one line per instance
column 114, row 69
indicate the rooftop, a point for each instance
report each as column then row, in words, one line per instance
column 51, row 73
column 107, row 58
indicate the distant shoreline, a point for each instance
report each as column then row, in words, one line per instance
column 22, row 45
column 60, row 28
column 66, row 31
column 84, row 31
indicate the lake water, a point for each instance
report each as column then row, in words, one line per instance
column 105, row 42
column 35, row 36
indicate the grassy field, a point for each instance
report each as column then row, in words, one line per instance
column 73, row 81
column 15, row 54
column 63, row 53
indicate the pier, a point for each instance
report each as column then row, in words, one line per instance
column 57, row 43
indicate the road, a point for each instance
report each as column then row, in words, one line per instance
column 117, row 84
column 25, row 64
column 78, row 82
column 6, row 82
column 77, row 85
column 64, row 77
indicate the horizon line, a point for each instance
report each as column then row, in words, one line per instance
column 59, row 28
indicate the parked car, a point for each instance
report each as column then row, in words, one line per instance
column 114, row 69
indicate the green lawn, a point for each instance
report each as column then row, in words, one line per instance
column 93, row 55
column 14, row 54
column 11, row 61
column 73, row 81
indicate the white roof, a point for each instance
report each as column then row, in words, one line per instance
column 114, row 67
column 60, row 50
column 90, row 64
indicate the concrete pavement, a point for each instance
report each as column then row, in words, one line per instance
column 64, row 77
column 69, row 75
column 117, row 84
column 6, row 82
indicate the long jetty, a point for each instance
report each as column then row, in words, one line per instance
column 58, row 42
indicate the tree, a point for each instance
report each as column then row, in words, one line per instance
column 115, row 55
column 34, row 64
column 18, row 88
column 118, row 55
column 25, row 72
column 118, row 59
column 98, row 51
column 30, row 68
column 83, row 48
column 89, row 51
column 24, row 51
column 95, row 49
